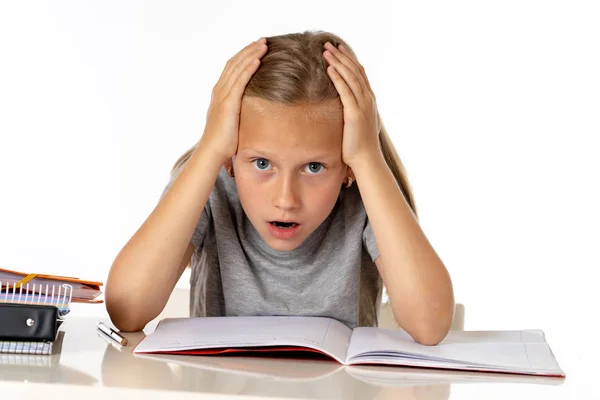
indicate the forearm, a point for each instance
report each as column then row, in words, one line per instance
column 145, row 271
column 417, row 282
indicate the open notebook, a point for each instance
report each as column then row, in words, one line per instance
column 519, row 352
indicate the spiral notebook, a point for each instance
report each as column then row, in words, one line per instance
column 30, row 316
column 83, row 291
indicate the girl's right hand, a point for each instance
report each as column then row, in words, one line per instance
column 223, row 116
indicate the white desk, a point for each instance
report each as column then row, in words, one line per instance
column 88, row 367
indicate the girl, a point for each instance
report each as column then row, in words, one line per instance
column 293, row 202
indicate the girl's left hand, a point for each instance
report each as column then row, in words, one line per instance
column 361, row 119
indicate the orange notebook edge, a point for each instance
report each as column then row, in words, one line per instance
column 56, row 278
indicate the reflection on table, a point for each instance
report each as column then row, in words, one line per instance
column 314, row 377
column 42, row 368
column 85, row 357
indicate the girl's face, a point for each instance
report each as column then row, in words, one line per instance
column 288, row 168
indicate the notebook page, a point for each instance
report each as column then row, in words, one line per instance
column 179, row 334
column 20, row 347
column 519, row 351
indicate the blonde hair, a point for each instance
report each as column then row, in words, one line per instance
column 292, row 73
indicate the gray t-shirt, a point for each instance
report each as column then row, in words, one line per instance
column 331, row 274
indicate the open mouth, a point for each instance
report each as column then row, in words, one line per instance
column 284, row 230
column 284, row 225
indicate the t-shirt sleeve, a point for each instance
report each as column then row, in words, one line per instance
column 369, row 241
column 202, row 224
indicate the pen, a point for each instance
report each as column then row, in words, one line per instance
column 109, row 340
column 114, row 335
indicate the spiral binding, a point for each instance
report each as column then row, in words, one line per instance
column 41, row 294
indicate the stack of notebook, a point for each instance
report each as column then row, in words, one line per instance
column 82, row 291
column 33, row 306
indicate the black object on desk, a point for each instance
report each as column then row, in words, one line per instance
column 28, row 322
column 30, row 318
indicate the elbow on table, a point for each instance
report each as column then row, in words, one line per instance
column 124, row 316
column 432, row 329
column 430, row 337
column 128, row 324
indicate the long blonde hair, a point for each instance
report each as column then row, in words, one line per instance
column 293, row 72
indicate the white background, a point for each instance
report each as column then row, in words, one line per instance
column 493, row 107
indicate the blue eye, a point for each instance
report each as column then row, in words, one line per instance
column 261, row 164
column 314, row 167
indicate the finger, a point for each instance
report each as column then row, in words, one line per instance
column 352, row 78
column 234, row 61
column 348, row 100
column 230, row 63
column 240, row 79
column 235, row 76
column 361, row 69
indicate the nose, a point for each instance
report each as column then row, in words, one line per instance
column 286, row 196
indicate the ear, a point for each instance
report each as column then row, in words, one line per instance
column 349, row 173
column 228, row 164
